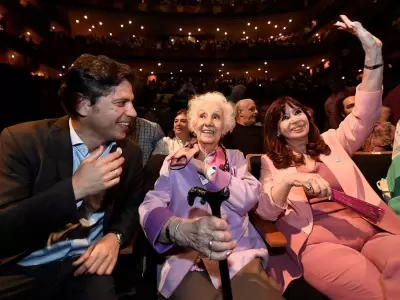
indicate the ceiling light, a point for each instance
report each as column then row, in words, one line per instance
column 265, row 71
column 308, row 67
column 122, row 25
column 343, row 77
column 302, row 65
column 317, row 34
column 219, row 70
column 130, row 22
column 53, row 27
column 222, row 65
column 140, row 70
column 171, row 73
column 110, row 33
column 227, row 73
column 190, row 33
column 272, row 36
column 90, row 29
column 222, row 75
column 63, row 67
column 244, row 32
column 247, row 37
column 93, row 26
column 100, row 23
column 85, row 16
column 172, row 77
column 142, row 27
column 13, row 56
column 290, row 21
column 180, row 29
column 77, row 21
column 28, row 33
column 199, row 29
column 248, row 24
column 256, row 28
column 323, row 60
column 159, row 64
column 265, row 63
column 133, row 35
column 359, row 70
column 276, row 26
column 201, row 65
column 60, row 74
column 280, row 34
column 152, row 72
column 226, row 33
column 180, row 71
column 269, row 22
column 259, row 84
column 172, row 40
column 247, row 72
column 259, row 69
column 217, row 29
column 200, row 71
column 284, row 28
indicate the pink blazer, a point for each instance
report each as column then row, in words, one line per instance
column 295, row 219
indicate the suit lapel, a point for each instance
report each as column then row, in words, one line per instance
column 62, row 147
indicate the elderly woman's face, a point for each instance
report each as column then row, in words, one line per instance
column 294, row 124
column 209, row 123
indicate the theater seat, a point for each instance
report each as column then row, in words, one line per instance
column 266, row 229
column 374, row 166
column 276, row 242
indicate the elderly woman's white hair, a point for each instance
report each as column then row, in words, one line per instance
column 200, row 101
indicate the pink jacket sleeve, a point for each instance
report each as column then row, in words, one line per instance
column 267, row 208
column 356, row 127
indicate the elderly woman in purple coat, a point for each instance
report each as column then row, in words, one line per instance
column 192, row 240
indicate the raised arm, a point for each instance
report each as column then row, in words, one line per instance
column 354, row 130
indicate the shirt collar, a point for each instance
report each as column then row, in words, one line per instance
column 75, row 139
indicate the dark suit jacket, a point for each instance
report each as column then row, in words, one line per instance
column 36, row 194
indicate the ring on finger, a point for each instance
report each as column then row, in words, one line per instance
column 210, row 244
column 308, row 187
column 209, row 254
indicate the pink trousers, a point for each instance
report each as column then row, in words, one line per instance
column 341, row 272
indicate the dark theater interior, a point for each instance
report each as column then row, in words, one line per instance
column 273, row 69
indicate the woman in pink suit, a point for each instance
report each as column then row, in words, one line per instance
column 193, row 241
column 338, row 252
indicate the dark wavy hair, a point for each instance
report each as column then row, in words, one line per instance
column 276, row 146
column 91, row 77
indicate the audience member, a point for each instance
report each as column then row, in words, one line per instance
column 382, row 135
column 146, row 134
column 392, row 100
column 179, row 137
column 189, row 237
column 246, row 136
column 67, row 204
column 340, row 253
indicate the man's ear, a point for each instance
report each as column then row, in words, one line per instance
column 83, row 106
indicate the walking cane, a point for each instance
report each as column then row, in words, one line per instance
column 215, row 199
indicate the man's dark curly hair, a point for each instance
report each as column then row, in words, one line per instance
column 91, row 77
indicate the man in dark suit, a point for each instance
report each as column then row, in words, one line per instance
column 70, row 189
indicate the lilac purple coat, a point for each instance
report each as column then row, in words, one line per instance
column 169, row 198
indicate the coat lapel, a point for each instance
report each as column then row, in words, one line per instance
column 62, row 147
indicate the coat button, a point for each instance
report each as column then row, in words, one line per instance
column 337, row 159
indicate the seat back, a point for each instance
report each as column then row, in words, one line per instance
column 374, row 166
column 254, row 164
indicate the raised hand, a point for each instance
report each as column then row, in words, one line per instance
column 369, row 42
